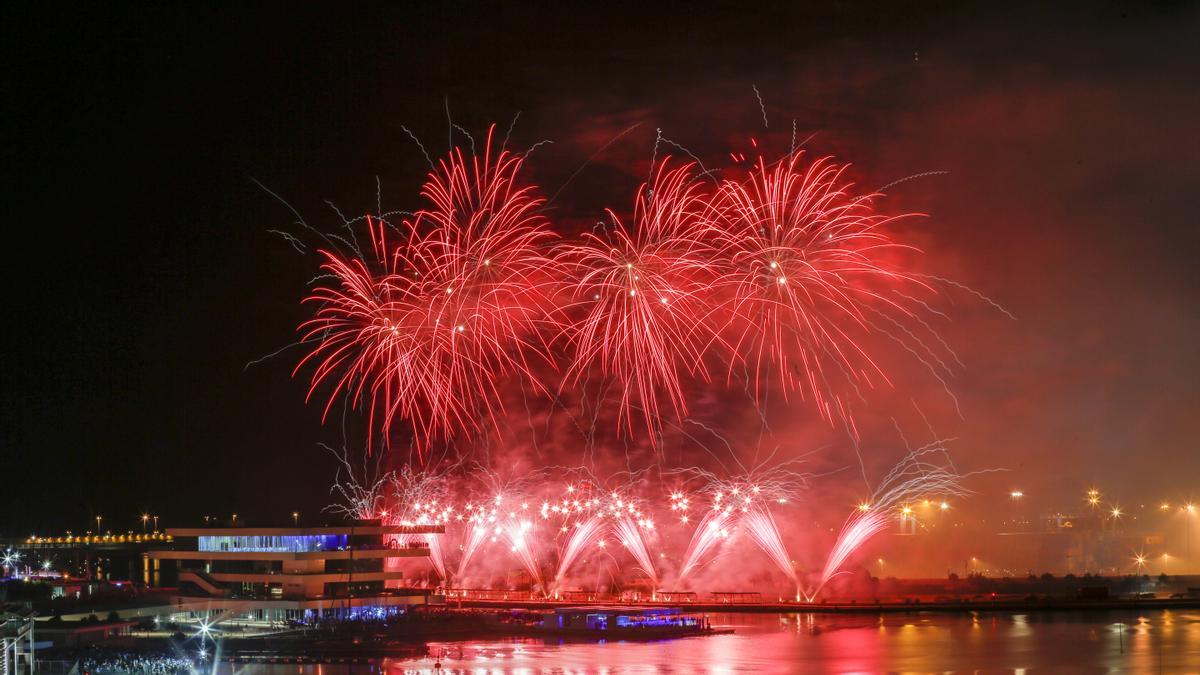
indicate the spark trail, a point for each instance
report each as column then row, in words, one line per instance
column 642, row 295
column 429, row 326
column 801, row 259
column 915, row 476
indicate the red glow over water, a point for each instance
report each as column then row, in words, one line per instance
column 1159, row 641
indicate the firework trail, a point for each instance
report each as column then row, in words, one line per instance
column 734, row 503
column 428, row 326
column 520, row 538
column 802, row 261
column 480, row 527
column 760, row 524
column 914, row 476
column 582, row 526
column 630, row 532
column 643, row 293
column 363, row 495
column 576, row 519
column 422, row 497
column 493, row 513
column 711, row 531
column 590, row 508
column 583, row 536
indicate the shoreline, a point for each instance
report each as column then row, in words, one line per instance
column 362, row 647
column 1006, row 605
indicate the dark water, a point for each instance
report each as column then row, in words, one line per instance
column 1118, row 642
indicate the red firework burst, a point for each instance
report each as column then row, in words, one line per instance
column 802, row 270
column 644, row 293
column 427, row 328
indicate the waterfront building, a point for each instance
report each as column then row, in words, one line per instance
column 300, row 574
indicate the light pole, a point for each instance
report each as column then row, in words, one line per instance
column 98, row 519
column 1187, row 529
column 155, row 523
column 145, row 517
column 1016, row 495
column 296, row 518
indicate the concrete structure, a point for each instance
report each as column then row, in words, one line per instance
column 293, row 573
column 16, row 641
column 93, row 557
column 75, row 634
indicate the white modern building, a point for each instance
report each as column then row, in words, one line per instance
column 293, row 573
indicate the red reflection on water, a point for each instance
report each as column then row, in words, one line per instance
column 856, row 650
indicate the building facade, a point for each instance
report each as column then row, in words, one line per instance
column 294, row 573
column 16, row 641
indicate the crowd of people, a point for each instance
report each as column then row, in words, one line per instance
column 144, row 663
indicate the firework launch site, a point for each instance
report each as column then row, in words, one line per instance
column 336, row 593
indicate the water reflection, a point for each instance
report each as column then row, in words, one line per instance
column 794, row 643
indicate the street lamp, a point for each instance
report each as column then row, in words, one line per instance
column 98, row 518
column 1018, row 519
column 145, row 517
column 1190, row 509
column 155, row 523
column 296, row 518
column 1115, row 514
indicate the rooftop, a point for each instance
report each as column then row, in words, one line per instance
column 305, row 531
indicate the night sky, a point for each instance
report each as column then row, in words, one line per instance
column 142, row 275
